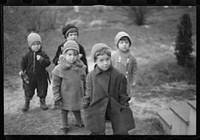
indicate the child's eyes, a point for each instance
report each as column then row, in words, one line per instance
column 107, row 59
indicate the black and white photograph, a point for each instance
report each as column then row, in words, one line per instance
column 99, row 70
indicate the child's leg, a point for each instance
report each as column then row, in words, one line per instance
column 64, row 118
column 29, row 90
column 42, row 86
column 77, row 115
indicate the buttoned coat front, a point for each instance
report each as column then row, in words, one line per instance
column 106, row 91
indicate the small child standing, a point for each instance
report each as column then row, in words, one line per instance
column 70, row 32
column 68, row 83
column 123, row 60
column 106, row 96
column 34, row 65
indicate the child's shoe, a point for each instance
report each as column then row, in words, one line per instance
column 65, row 129
column 43, row 104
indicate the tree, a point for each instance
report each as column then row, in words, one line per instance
column 137, row 14
column 183, row 44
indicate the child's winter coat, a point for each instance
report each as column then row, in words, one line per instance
column 68, row 84
column 33, row 67
column 106, row 89
column 126, row 65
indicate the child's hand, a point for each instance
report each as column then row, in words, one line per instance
column 39, row 57
column 80, row 55
column 20, row 73
column 134, row 83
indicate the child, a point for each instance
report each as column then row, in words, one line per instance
column 34, row 64
column 123, row 60
column 70, row 32
column 68, row 80
column 106, row 96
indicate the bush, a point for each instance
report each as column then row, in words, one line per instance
column 183, row 46
column 137, row 14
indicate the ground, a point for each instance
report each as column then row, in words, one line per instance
column 161, row 82
column 144, row 104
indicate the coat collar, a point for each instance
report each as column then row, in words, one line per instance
column 65, row 65
column 97, row 70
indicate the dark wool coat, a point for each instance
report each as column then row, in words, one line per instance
column 68, row 84
column 34, row 67
column 106, row 90
column 82, row 51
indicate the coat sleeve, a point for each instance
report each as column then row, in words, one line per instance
column 44, row 61
column 56, row 58
column 24, row 63
column 113, row 59
column 82, row 51
column 134, row 70
column 56, row 86
column 123, row 96
column 87, row 98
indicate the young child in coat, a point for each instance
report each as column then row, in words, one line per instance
column 124, row 60
column 68, row 83
column 34, row 65
column 106, row 96
column 70, row 32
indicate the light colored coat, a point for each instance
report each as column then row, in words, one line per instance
column 106, row 91
column 127, row 65
column 68, row 84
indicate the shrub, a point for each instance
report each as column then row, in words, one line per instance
column 183, row 45
column 137, row 14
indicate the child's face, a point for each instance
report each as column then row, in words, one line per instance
column 72, row 36
column 103, row 62
column 71, row 56
column 36, row 46
column 124, row 44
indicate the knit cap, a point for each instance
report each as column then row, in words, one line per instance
column 32, row 37
column 98, row 47
column 68, row 29
column 70, row 45
column 120, row 35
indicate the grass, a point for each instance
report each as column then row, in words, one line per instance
column 160, row 80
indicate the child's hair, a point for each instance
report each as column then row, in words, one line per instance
column 102, row 51
column 124, row 38
column 74, row 51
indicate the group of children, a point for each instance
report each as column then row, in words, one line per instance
column 93, row 97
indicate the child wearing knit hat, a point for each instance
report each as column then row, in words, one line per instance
column 124, row 60
column 68, row 84
column 34, row 65
column 106, row 96
column 70, row 32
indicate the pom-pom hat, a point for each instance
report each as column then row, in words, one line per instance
column 98, row 47
column 33, row 37
column 70, row 45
